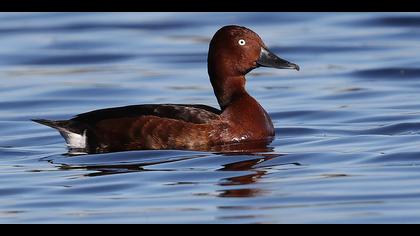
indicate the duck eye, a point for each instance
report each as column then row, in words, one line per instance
column 241, row 42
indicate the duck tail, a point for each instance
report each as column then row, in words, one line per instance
column 75, row 138
column 55, row 124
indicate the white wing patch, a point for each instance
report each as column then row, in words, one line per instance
column 74, row 140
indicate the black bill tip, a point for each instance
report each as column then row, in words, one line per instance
column 269, row 59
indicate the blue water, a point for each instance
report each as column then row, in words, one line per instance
column 347, row 125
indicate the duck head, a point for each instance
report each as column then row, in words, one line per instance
column 233, row 52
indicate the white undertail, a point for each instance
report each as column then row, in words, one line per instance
column 74, row 140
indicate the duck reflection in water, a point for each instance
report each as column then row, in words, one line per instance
column 249, row 171
column 253, row 165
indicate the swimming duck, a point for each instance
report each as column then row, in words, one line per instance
column 233, row 52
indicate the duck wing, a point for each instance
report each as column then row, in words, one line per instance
column 197, row 114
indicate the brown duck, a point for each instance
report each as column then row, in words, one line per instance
column 234, row 51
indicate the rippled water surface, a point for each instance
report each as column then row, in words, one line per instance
column 347, row 125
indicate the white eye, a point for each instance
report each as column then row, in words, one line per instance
column 241, row 42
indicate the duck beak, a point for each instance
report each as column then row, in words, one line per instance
column 269, row 59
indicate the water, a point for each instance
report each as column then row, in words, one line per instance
column 347, row 125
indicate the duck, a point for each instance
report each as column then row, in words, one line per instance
column 233, row 52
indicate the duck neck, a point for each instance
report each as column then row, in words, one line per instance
column 228, row 89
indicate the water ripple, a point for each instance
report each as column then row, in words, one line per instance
column 97, row 26
column 389, row 73
column 78, row 59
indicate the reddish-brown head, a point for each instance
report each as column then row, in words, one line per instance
column 234, row 51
